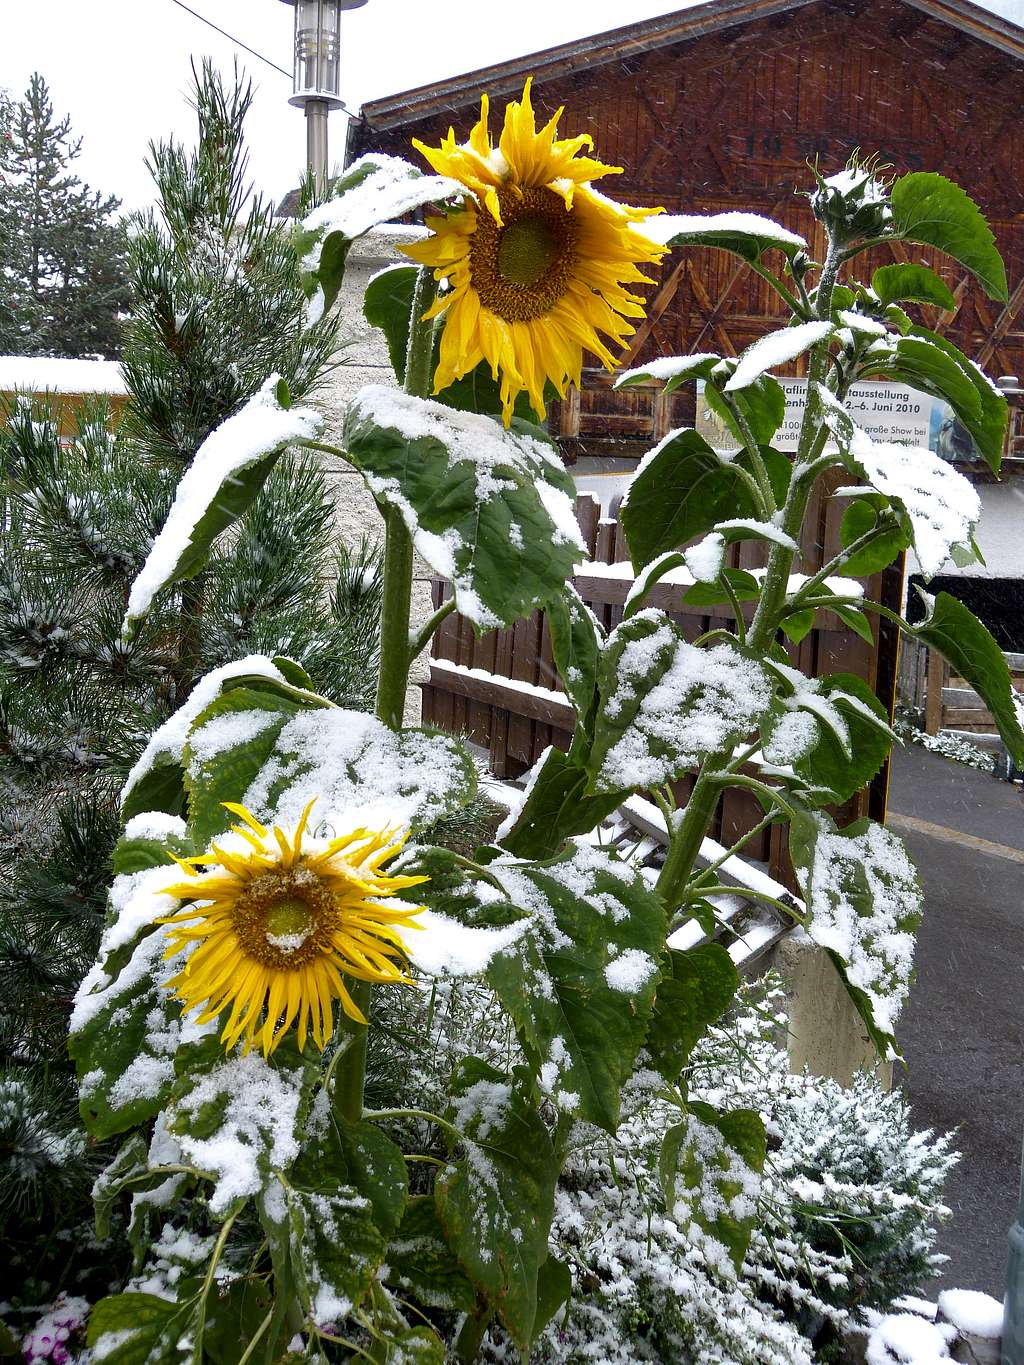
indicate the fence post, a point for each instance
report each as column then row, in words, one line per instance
column 933, row 693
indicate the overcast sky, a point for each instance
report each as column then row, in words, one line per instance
column 121, row 67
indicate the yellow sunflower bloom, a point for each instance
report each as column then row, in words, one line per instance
column 277, row 922
column 537, row 263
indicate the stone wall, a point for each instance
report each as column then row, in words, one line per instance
column 364, row 360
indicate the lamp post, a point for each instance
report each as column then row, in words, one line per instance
column 316, row 78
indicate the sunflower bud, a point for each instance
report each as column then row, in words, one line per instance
column 853, row 203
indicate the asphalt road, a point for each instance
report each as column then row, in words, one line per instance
column 962, row 1028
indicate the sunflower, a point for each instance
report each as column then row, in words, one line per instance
column 276, row 922
column 535, row 258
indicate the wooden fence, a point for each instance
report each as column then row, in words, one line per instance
column 939, row 699
column 501, row 690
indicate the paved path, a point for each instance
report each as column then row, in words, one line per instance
column 963, row 1027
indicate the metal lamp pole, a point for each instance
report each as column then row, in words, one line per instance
column 316, row 79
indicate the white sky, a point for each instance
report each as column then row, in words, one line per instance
column 121, row 67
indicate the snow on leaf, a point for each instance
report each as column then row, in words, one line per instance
column 776, row 348
column 381, row 188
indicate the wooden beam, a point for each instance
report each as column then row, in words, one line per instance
column 662, row 299
column 1002, row 325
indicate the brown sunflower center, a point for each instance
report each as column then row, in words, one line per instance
column 285, row 917
column 521, row 269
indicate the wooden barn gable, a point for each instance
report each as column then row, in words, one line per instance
column 720, row 106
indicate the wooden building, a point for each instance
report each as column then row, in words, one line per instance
column 719, row 107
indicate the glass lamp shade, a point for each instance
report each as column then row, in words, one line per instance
column 317, row 74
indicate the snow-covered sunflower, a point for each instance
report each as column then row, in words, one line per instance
column 536, row 261
column 278, row 920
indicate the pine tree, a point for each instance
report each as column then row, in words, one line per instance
column 219, row 308
column 63, row 288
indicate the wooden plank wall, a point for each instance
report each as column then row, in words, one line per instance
column 515, row 726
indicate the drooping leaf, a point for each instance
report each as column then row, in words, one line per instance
column 665, row 704
column 694, row 992
column 140, row 1329
column 958, row 635
column 579, row 982
column 132, row 1160
column 862, row 903
column 488, row 509
column 743, row 584
column 989, row 430
column 272, row 756
column 911, row 284
column 576, row 640
column 360, row 1155
column 421, row 1264
column 234, row 1314
column 930, row 209
column 222, row 482
column 710, row 1167
column 554, row 1285
column 556, row 807
column 860, row 518
column 495, row 1203
column 761, row 404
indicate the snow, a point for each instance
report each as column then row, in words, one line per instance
column 760, row 530
column 664, row 227
column 704, row 560
column 776, row 348
column 261, row 1105
column 976, row 1314
column 256, row 430
column 943, row 506
column 136, row 900
column 860, row 322
column 665, row 367
column 630, row 971
column 155, row 824
column 441, row 946
column 228, row 732
column 550, row 695
column 168, row 740
column 646, row 578
column 906, row 1339
column 55, row 374
column 393, row 188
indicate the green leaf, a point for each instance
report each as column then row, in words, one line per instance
column 834, row 769
column 415, row 1346
column 743, row 584
column 140, row 1329
column 930, row 369
column 797, row 625
column 862, row 904
column 579, row 982
column 744, row 234
column 930, row 209
column 681, row 490
column 275, row 755
column 710, row 1167
column 957, row 634
column 762, row 404
column 911, row 284
column 360, row 1155
column 421, row 1263
column 222, row 482
column 554, row 1286
column 160, row 787
column 855, row 619
column 132, row 1159
column 9, row 1345
column 859, row 518
column 576, row 640
column 495, row 1204
column 556, row 807
column 988, row 430
column 666, row 704
column 670, row 371
column 234, row 1313
column 693, row 994
column 490, row 510
column 136, row 855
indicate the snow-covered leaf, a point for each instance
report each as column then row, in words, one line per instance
column 579, row 982
column 710, row 1169
column 666, row 704
column 488, row 509
column 941, row 505
column 987, row 428
column 576, row 642
column 744, row 234
column 496, row 1201
column 680, row 490
column 861, row 517
column 762, row 406
column 930, row 209
column 911, row 284
column 228, row 471
column 374, row 189
column 671, row 370
column 273, row 756
column 694, row 992
column 141, row 1329
column 774, row 349
column 956, row 633
column 863, row 905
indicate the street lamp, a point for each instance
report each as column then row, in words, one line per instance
column 317, row 71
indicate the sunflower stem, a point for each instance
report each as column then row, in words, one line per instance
column 350, row 1074
column 396, row 603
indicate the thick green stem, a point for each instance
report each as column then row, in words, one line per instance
column 395, row 657
column 350, row 1072
column 693, row 822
